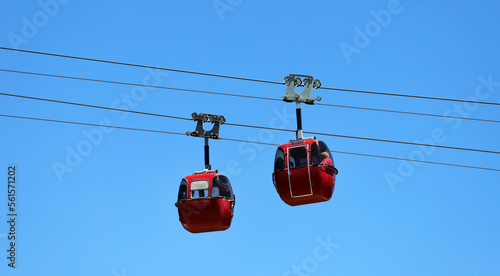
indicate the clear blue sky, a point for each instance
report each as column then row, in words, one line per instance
column 113, row 214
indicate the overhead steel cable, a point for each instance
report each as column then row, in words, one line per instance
column 408, row 96
column 411, row 113
column 402, row 142
column 244, row 79
column 90, row 124
column 94, row 106
column 242, row 96
column 245, row 141
column 259, row 127
column 414, row 160
column 369, row 139
column 139, row 65
column 138, row 84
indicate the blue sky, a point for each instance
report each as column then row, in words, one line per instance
column 113, row 213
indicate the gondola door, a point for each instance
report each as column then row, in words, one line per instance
column 299, row 178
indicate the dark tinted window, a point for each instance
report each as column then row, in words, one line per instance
column 297, row 157
column 221, row 186
column 315, row 154
column 320, row 154
column 279, row 160
column 182, row 190
column 325, row 154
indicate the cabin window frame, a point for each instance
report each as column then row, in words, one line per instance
column 199, row 185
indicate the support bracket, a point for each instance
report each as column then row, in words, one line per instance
column 305, row 96
column 201, row 118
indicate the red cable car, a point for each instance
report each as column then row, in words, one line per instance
column 304, row 172
column 205, row 202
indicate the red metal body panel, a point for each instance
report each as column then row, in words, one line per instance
column 205, row 214
column 306, row 184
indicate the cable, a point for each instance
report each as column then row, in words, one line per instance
column 89, row 124
column 245, row 79
column 137, row 84
column 408, row 96
column 95, row 106
column 369, row 139
column 245, row 141
column 139, row 65
column 414, row 160
column 242, row 96
column 376, row 156
column 412, row 113
column 259, row 127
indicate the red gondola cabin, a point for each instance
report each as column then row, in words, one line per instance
column 205, row 202
column 304, row 172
